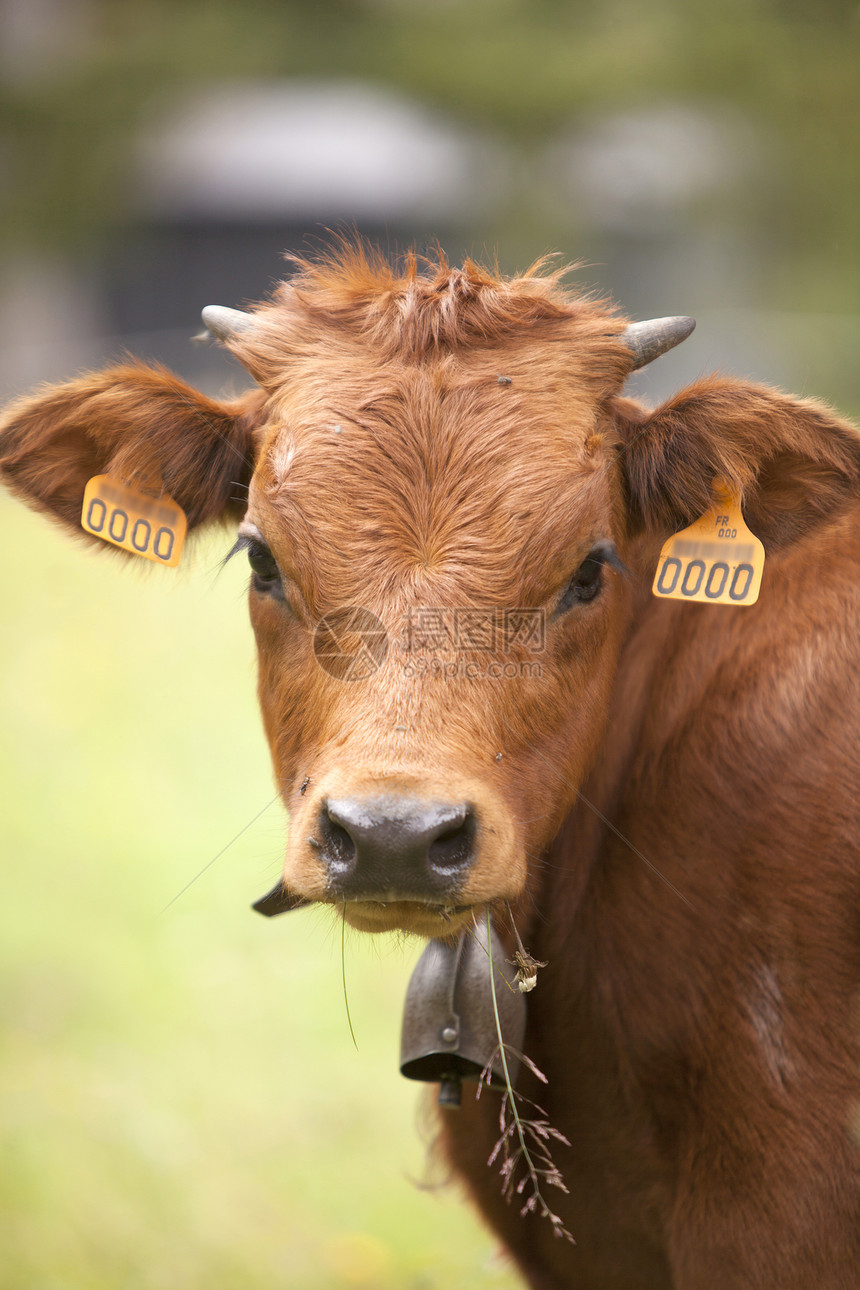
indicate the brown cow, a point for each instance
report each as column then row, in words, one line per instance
column 666, row 807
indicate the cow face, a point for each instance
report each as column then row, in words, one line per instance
column 435, row 525
column 436, row 615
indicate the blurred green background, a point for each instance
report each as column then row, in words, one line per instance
column 182, row 1104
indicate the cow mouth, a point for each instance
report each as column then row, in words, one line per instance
column 438, row 919
column 419, row 917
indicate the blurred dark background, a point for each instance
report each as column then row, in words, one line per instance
column 159, row 155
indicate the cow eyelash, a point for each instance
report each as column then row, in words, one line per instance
column 265, row 574
column 587, row 582
column 241, row 544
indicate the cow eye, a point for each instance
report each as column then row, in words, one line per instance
column 266, row 575
column 586, row 583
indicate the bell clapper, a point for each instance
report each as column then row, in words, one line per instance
column 450, row 1090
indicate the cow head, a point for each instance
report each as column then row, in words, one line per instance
column 434, row 498
column 432, row 520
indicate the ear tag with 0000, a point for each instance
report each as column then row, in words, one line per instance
column 716, row 561
column 135, row 519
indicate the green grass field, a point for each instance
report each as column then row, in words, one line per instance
column 182, row 1105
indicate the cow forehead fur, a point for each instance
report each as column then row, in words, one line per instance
column 388, row 434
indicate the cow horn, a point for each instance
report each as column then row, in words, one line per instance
column 226, row 323
column 648, row 340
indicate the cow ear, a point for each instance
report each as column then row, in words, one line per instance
column 791, row 460
column 131, row 421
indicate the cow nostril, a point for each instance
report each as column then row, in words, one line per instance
column 338, row 846
column 451, row 851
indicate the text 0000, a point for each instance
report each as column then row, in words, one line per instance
column 715, row 580
column 114, row 523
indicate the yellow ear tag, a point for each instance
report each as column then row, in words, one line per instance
column 716, row 561
column 139, row 521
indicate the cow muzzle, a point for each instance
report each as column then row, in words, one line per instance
column 392, row 848
column 413, row 852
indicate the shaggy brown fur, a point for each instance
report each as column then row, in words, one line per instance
column 697, row 1020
